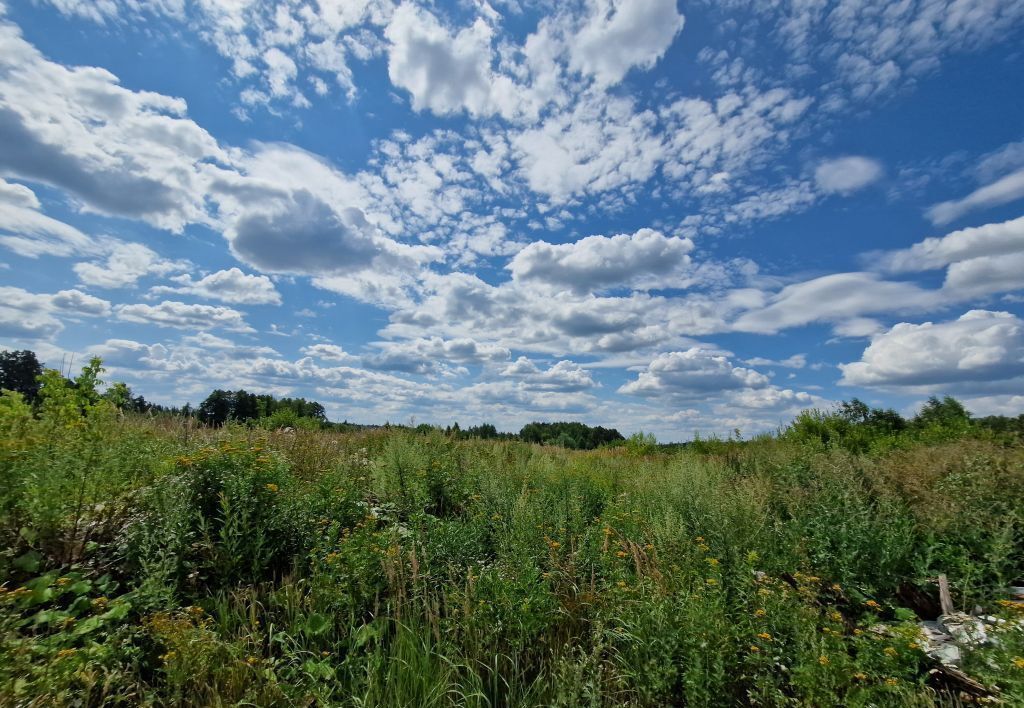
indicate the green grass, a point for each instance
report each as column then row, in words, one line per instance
column 145, row 561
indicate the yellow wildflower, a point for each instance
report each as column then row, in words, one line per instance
column 765, row 636
column 891, row 682
column 711, row 581
column 64, row 653
column 712, row 561
column 860, row 676
column 890, row 651
column 760, row 612
column 621, row 554
column 823, row 660
column 272, row 487
column 1018, row 662
column 873, row 605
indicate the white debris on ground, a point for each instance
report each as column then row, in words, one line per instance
column 945, row 639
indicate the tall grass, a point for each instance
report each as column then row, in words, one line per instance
column 147, row 561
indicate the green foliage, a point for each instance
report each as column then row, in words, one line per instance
column 145, row 561
column 575, row 436
column 20, row 372
column 242, row 407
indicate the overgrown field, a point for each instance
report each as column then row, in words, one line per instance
column 148, row 561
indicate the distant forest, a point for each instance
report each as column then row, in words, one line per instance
column 20, row 371
column 853, row 424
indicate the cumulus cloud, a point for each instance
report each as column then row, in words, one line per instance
column 980, row 346
column 430, row 355
column 119, row 151
column 36, row 316
column 231, row 286
column 618, row 35
column 329, row 352
column 170, row 313
column 302, row 234
column 643, row 260
column 125, row 263
column 563, row 376
column 845, row 175
column 691, row 374
column 445, row 72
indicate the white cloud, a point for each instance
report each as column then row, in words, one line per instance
column 34, row 316
column 980, row 346
column 618, row 35
column 25, row 230
column 446, row 72
column 118, row 151
column 986, row 274
column 691, row 375
column 125, row 263
column 182, row 316
column 989, row 240
column 303, row 234
column 845, row 175
column 329, row 352
column 643, row 260
column 797, row 361
column 563, row 376
column 75, row 301
column 430, row 355
column 1003, row 191
column 835, row 298
column 599, row 144
column 231, row 286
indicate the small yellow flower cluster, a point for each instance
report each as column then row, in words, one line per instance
column 272, row 487
column 824, row 660
column 99, row 604
column 621, row 554
column 1018, row 662
column 873, row 605
column 765, row 636
column 65, row 653
column 890, row 652
column 760, row 612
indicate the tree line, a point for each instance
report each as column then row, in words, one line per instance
column 853, row 425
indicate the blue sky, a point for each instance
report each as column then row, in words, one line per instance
column 676, row 217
